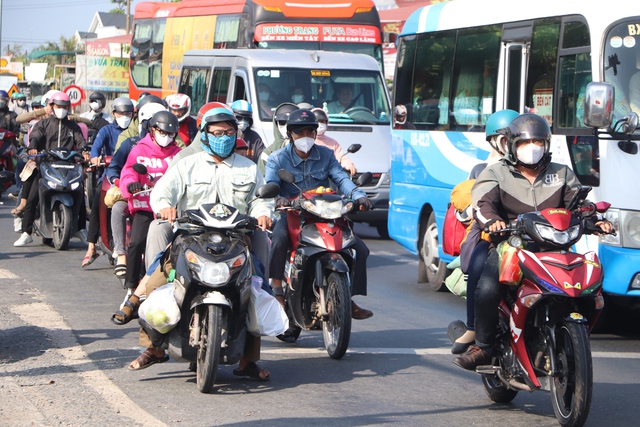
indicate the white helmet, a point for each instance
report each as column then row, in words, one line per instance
column 47, row 96
column 146, row 112
column 179, row 101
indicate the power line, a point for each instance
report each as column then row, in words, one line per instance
column 50, row 5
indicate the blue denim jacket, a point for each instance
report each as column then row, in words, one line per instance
column 315, row 171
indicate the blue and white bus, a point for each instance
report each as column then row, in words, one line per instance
column 460, row 61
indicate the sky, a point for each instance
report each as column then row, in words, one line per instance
column 31, row 23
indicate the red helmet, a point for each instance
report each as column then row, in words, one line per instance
column 206, row 107
column 180, row 102
column 61, row 99
column 241, row 144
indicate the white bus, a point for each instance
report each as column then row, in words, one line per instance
column 460, row 61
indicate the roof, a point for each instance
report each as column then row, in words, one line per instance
column 124, row 38
column 105, row 19
column 86, row 35
column 400, row 14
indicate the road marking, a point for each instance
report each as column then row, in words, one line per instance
column 6, row 274
column 417, row 352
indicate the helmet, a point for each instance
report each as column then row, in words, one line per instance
column 61, row 99
column 37, row 101
column 320, row 114
column 142, row 95
column 282, row 112
column 47, row 96
column 99, row 97
column 242, row 108
column 4, row 94
column 206, row 107
column 18, row 95
column 149, row 99
column 113, row 195
column 122, row 105
column 241, row 144
column 499, row 120
column 148, row 110
column 301, row 119
column 217, row 115
column 180, row 101
column 165, row 121
column 525, row 127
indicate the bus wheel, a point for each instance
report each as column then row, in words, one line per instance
column 430, row 268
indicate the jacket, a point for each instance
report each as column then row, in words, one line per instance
column 156, row 159
column 52, row 133
column 187, row 132
column 332, row 144
column 8, row 121
column 120, row 158
column 106, row 139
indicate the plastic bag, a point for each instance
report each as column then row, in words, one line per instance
column 456, row 283
column 160, row 309
column 265, row 315
column 28, row 169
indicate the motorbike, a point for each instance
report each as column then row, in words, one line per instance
column 61, row 196
column 8, row 153
column 554, row 300
column 320, row 269
column 212, row 285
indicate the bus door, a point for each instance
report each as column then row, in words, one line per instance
column 516, row 39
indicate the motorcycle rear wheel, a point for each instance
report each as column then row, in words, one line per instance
column 336, row 330
column 61, row 226
column 211, row 320
column 572, row 388
column 496, row 391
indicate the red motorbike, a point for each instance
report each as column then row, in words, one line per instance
column 8, row 159
column 554, row 301
column 321, row 260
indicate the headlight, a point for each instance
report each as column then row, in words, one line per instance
column 613, row 216
column 213, row 273
column 627, row 223
column 75, row 185
column 327, row 210
column 2, row 135
column 559, row 237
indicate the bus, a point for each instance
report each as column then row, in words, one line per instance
column 163, row 32
column 460, row 61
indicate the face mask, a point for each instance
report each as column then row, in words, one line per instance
column 60, row 113
column 123, row 122
column 530, row 154
column 304, row 144
column 163, row 140
column 95, row 105
column 297, row 98
column 264, row 96
column 322, row 128
column 220, row 145
column 21, row 103
column 3, row 103
column 243, row 125
column 283, row 130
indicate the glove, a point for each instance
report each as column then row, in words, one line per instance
column 134, row 187
column 364, row 201
column 282, row 201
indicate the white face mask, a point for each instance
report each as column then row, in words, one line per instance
column 163, row 140
column 530, row 154
column 60, row 113
column 297, row 98
column 283, row 130
column 123, row 122
column 21, row 103
column 264, row 96
column 304, row 144
column 322, row 128
column 95, row 105
column 243, row 125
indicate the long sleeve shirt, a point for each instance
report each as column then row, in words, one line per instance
column 106, row 140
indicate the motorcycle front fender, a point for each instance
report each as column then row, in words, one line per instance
column 334, row 262
column 64, row 198
column 212, row 297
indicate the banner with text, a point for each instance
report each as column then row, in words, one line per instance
column 102, row 73
column 317, row 33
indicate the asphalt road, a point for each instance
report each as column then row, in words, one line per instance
column 62, row 362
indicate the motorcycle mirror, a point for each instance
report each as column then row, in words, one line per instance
column 602, row 207
column 579, row 197
column 354, row 148
column 140, row 168
column 286, row 176
column 364, row 179
column 268, row 191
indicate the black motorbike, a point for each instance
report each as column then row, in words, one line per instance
column 212, row 285
column 61, row 196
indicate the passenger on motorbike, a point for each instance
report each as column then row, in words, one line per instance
column 180, row 105
column 244, row 114
column 134, row 127
column 326, row 141
column 96, row 114
column 7, row 117
column 56, row 131
column 525, row 180
column 313, row 166
column 104, row 144
column 43, row 113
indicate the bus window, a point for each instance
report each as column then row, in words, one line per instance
column 240, row 89
column 585, row 159
column 475, row 73
column 226, row 36
column 574, row 72
column 194, row 83
column 622, row 66
column 146, row 52
column 404, row 76
column 220, row 85
column 542, row 66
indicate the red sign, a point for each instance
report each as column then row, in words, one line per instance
column 317, row 33
column 76, row 94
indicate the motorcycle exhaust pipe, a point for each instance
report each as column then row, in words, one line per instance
column 519, row 385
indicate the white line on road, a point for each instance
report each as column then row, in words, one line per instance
column 6, row 274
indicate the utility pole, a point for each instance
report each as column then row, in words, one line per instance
column 128, row 25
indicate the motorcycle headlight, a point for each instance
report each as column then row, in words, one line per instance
column 558, row 237
column 326, row 209
column 75, row 185
column 213, row 273
column 2, row 135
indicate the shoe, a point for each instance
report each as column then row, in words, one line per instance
column 460, row 347
column 473, row 358
column 82, row 235
column 456, row 329
column 14, row 195
column 17, row 225
column 359, row 313
column 23, row 240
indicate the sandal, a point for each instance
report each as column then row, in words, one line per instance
column 88, row 259
column 17, row 212
column 252, row 370
column 147, row 358
column 128, row 312
column 290, row 335
column 120, row 270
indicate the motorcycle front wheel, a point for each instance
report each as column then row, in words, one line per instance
column 211, row 320
column 336, row 330
column 572, row 388
column 61, row 226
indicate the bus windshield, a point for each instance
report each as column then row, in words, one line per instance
column 622, row 68
column 349, row 96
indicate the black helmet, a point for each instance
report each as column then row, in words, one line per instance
column 320, row 114
column 165, row 121
column 282, row 112
column 149, row 99
column 526, row 127
column 301, row 119
column 98, row 96
column 122, row 105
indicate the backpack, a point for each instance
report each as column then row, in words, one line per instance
column 455, row 230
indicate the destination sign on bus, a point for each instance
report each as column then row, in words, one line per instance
column 317, row 33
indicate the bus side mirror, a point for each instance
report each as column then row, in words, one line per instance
column 598, row 105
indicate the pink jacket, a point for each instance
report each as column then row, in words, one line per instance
column 327, row 141
column 156, row 159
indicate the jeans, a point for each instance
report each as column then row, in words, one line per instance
column 488, row 295
column 476, row 266
column 119, row 214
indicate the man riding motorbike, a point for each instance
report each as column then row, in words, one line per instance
column 99, row 118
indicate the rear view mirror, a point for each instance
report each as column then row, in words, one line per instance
column 267, row 191
column 364, row 179
column 354, row 148
column 286, row 176
column 598, row 105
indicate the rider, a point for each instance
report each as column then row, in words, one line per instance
column 105, row 143
column 99, row 119
column 244, row 114
column 327, row 141
column 7, row 117
column 56, row 131
column 313, row 166
column 180, row 105
column 134, row 127
column 525, row 180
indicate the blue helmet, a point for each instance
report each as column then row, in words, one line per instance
column 242, row 108
column 4, row 94
column 499, row 120
column 217, row 115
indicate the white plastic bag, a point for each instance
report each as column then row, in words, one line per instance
column 265, row 315
column 160, row 309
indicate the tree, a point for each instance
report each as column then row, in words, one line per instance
column 120, row 6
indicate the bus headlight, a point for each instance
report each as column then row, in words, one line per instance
column 627, row 224
column 613, row 216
